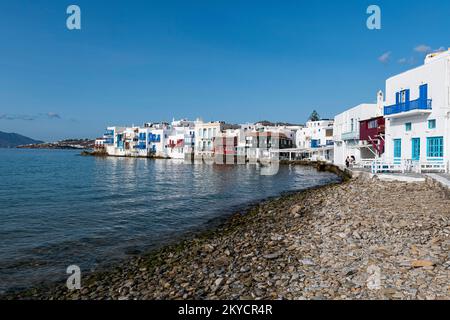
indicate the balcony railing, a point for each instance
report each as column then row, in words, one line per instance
column 419, row 104
column 109, row 133
column 353, row 135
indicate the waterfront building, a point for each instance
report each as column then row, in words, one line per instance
column 359, row 133
column 143, row 146
column 99, row 144
column 265, row 145
column 205, row 133
column 113, row 140
column 417, row 114
column 226, row 145
column 181, row 140
column 158, row 139
column 315, row 141
column 315, row 134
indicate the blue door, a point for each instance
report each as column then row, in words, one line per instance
column 423, row 92
column 397, row 151
column 423, row 103
column 415, row 149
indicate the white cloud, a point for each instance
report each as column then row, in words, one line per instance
column 385, row 57
column 427, row 49
column 423, row 49
column 405, row 60
column 53, row 115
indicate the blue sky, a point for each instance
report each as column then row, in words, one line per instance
column 238, row 61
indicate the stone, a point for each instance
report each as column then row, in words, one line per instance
column 346, row 237
column 422, row 263
column 218, row 282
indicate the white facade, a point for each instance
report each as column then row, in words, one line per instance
column 112, row 142
column 315, row 134
column 417, row 113
column 205, row 132
column 181, row 140
column 346, row 130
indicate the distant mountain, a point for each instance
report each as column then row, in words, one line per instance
column 12, row 140
column 274, row 124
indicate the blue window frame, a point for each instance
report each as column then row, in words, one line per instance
column 435, row 147
column 408, row 126
column 432, row 124
column 402, row 96
column 397, row 148
column 415, row 155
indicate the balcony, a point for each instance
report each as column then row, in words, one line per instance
column 419, row 106
column 109, row 133
column 352, row 135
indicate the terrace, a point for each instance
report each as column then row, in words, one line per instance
column 419, row 106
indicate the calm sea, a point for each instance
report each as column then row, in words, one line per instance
column 59, row 209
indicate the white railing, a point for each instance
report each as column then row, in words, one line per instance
column 431, row 167
column 379, row 166
column 363, row 164
column 403, row 166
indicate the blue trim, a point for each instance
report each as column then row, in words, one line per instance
column 423, row 91
column 397, row 148
column 407, row 97
column 408, row 126
column 432, row 124
column 435, row 147
column 418, row 104
column 415, row 153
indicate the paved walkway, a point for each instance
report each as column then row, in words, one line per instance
column 401, row 177
column 442, row 178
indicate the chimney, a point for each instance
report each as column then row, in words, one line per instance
column 380, row 103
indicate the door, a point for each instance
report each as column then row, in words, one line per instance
column 415, row 156
column 397, row 151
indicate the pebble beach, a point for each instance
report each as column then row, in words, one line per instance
column 360, row 239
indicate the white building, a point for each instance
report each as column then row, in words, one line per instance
column 346, row 131
column 158, row 139
column 113, row 141
column 315, row 134
column 205, row 133
column 315, row 140
column 181, row 140
column 417, row 114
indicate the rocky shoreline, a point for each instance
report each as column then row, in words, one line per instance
column 357, row 240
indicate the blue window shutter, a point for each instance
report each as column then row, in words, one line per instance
column 397, row 98
column 407, row 95
column 424, row 92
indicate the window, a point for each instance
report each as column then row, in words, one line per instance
column 408, row 126
column 435, row 147
column 397, row 148
column 431, row 124
column 373, row 124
